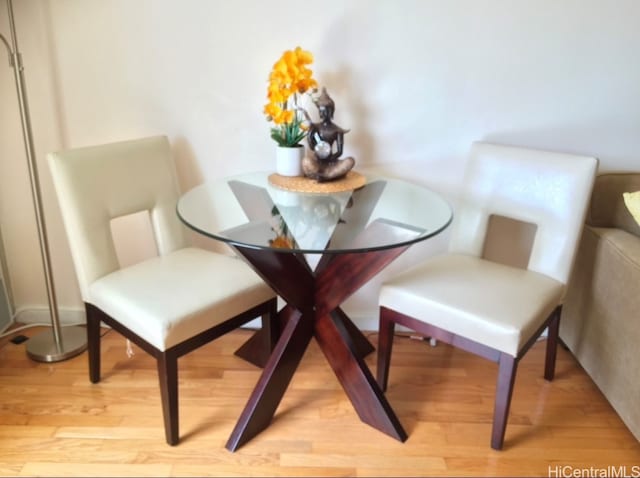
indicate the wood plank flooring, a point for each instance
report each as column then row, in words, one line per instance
column 54, row 422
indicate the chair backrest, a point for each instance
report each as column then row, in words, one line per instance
column 99, row 183
column 550, row 190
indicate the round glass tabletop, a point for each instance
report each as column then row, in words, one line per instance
column 248, row 211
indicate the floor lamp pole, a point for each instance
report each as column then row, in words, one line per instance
column 65, row 343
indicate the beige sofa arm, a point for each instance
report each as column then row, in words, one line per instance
column 607, row 206
column 599, row 320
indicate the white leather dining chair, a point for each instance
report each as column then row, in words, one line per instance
column 488, row 308
column 170, row 304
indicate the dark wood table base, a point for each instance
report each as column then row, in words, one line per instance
column 313, row 310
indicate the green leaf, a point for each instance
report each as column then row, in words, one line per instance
column 288, row 134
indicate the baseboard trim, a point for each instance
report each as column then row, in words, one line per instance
column 41, row 315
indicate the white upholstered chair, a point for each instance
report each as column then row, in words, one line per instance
column 488, row 308
column 170, row 304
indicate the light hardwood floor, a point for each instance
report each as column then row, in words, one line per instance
column 54, row 422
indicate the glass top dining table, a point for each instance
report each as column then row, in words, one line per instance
column 315, row 249
column 248, row 211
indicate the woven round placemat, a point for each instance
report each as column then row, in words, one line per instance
column 301, row 184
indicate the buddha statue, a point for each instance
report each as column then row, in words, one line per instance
column 326, row 141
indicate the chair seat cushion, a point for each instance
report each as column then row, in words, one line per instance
column 490, row 303
column 168, row 299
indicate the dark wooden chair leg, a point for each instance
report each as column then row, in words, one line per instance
column 504, row 389
column 93, row 342
column 552, row 346
column 385, row 345
column 168, row 375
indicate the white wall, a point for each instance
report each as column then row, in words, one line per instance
column 416, row 81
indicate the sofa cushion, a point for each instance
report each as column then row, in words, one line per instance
column 607, row 207
column 632, row 201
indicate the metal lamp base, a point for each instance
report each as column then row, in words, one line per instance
column 43, row 347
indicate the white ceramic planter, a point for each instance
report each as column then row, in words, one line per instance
column 289, row 160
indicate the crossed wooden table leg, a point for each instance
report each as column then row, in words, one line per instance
column 313, row 310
